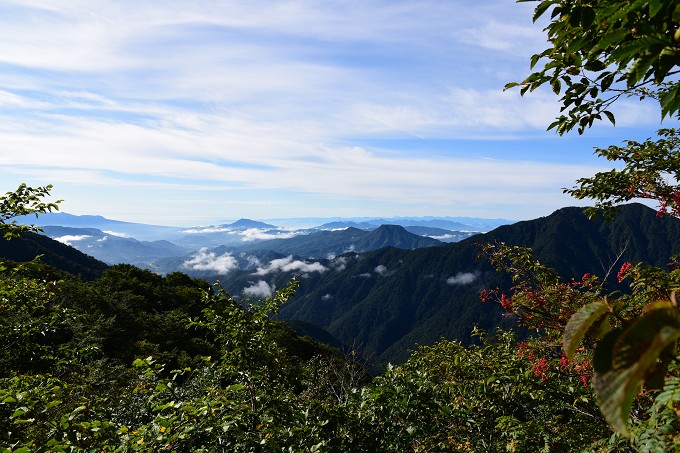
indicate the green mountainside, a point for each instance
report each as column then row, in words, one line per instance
column 322, row 244
column 391, row 300
column 52, row 252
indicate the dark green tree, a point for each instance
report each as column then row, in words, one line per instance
column 602, row 50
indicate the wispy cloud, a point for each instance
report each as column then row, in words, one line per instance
column 290, row 265
column 339, row 264
column 462, row 278
column 210, row 261
column 208, row 230
column 68, row 239
column 383, row 271
column 257, row 234
column 120, row 235
column 259, row 289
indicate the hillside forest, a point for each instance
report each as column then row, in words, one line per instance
column 98, row 358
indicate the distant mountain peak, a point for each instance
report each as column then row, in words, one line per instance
column 248, row 223
column 395, row 236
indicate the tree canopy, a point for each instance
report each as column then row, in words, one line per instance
column 602, row 50
column 25, row 200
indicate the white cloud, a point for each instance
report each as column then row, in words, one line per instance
column 339, row 263
column 208, row 229
column 210, row 261
column 253, row 261
column 68, row 239
column 508, row 37
column 120, row 235
column 327, row 297
column 258, row 234
column 365, row 275
column 259, row 289
column 382, row 271
column 289, row 265
column 461, row 278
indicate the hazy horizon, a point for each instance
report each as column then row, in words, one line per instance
column 286, row 222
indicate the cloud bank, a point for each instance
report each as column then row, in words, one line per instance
column 289, row 265
column 210, row 261
column 259, row 289
column 461, row 279
column 69, row 238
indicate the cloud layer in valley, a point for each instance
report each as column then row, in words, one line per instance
column 288, row 264
column 461, row 278
column 259, row 289
column 205, row 260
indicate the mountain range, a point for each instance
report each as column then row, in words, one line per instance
column 157, row 247
column 391, row 299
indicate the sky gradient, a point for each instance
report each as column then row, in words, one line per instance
column 189, row 113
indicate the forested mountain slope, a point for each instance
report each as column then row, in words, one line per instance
column 391, row 300
column 51, row 252
column 322, row 244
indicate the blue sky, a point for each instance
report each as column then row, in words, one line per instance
column 187, row 112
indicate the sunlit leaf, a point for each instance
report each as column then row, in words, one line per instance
column 580, row 323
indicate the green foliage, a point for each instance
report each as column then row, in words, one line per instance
column 613, row 48
column 601, row 50
column 31, row 327
column 448, row 397
column 581, row 323
column 651, row 170
column 24, row 200
column 630, row 338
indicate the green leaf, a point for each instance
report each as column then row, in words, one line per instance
column 138, row 363
column 556, row 86
column 639, row 69
column 541, row 8
column 623, row 359
column 607, row 81
column 670, row 101
column 609, row 39
column 612, row 396
column 587, row 17
column 610, row 117
column 51, row 404
column 646, row 337
column 595, row 65
column 580, row 323
column 19, row 412
column 654, row 7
